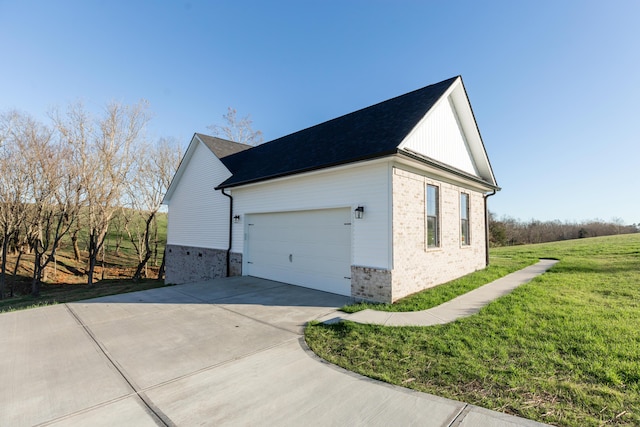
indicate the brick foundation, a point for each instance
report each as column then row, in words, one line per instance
column 370, row 284
column 185, row 264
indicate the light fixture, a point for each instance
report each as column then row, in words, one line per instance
column 359, row 212
column 236, row 219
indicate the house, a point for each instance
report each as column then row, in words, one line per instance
column 376, row 204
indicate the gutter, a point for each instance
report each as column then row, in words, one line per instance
column 393, row 152
column 450, row 169
column 486, row 226
column 305, row 170
column 231, row 231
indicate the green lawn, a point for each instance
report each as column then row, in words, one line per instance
column 68, row 282
column 500, row 266
column 563, row 349
column 60, row 293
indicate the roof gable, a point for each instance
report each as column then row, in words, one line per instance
column 221, row 147
column 217, row 146
column 442, row 124
column 467, row 122
column 375, row 131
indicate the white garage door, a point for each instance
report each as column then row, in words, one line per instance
column 307, row 248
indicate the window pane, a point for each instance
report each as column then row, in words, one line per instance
column 431, row 231
column 465, row 232
column 464, row 219
column 433, row 234
column 464, row 206
column 432, row 200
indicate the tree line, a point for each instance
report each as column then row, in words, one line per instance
column 507, row 231
column 81, row 173
column 71, row 176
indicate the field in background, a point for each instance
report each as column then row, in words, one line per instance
column 563, row 349
column 65, row 280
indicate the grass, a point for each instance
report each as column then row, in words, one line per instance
column 563, row 349
column 499, row 267
column 61, row 293
column 66, row 281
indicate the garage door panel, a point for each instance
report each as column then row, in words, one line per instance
column 301, row 261
column 309, row 248
column 274, row 236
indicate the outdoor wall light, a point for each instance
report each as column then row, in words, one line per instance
column 236, row 219
column 359, row 212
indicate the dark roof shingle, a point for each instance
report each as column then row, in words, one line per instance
column 222, row 147
column 372, row 132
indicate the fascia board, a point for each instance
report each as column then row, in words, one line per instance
column 462, row 106
column 181, row 168
column 433, row 108
column 442, row 171
column 471, row 129
column 319, row 171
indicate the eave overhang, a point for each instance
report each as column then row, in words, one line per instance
column 405, row 156
column 448, row 171
column 306, row 170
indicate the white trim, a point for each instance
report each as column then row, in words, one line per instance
column 460, row 193
column 193, row 144
column 318, row 244
column 331, row 169
column 390, row 172
column 438, row 187
column 464, row 114
column 441, row 174
column 463, row 134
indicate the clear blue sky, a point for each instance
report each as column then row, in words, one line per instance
column 555, row 85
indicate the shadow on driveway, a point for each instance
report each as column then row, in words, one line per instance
column 242, row 290
column 223, row 352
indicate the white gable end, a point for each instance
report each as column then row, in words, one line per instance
column 198, row 214
column 439, row 136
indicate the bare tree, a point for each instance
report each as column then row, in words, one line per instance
column 54, row 194
column 74, row 128
column 41, row 177
column 111, row 166
column 154, row 171
column 13, row 187
column 237, row 130
column 104, row 152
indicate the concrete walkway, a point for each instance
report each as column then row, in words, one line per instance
column 462, row 306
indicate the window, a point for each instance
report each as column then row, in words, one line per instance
column 465, row 238
column 433, row 217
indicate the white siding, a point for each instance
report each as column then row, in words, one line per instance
column 440, row 137
column 198, row 214
column 366, row 185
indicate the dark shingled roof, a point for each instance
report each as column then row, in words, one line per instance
column 222, row 147
column 369, row 133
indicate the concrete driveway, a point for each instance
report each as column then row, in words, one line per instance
column 223, row 352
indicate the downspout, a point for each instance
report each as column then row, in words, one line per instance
column 231, row 231
column 486, row 226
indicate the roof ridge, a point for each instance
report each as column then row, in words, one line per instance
column 221, row 147
column 449, row 81
column 221, row 139
column 365, row 133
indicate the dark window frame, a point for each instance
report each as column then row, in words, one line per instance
column 432, row 210
column 465, row 220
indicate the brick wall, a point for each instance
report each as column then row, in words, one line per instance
column 370, row 284
column 416, row 267
column 185, row 264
